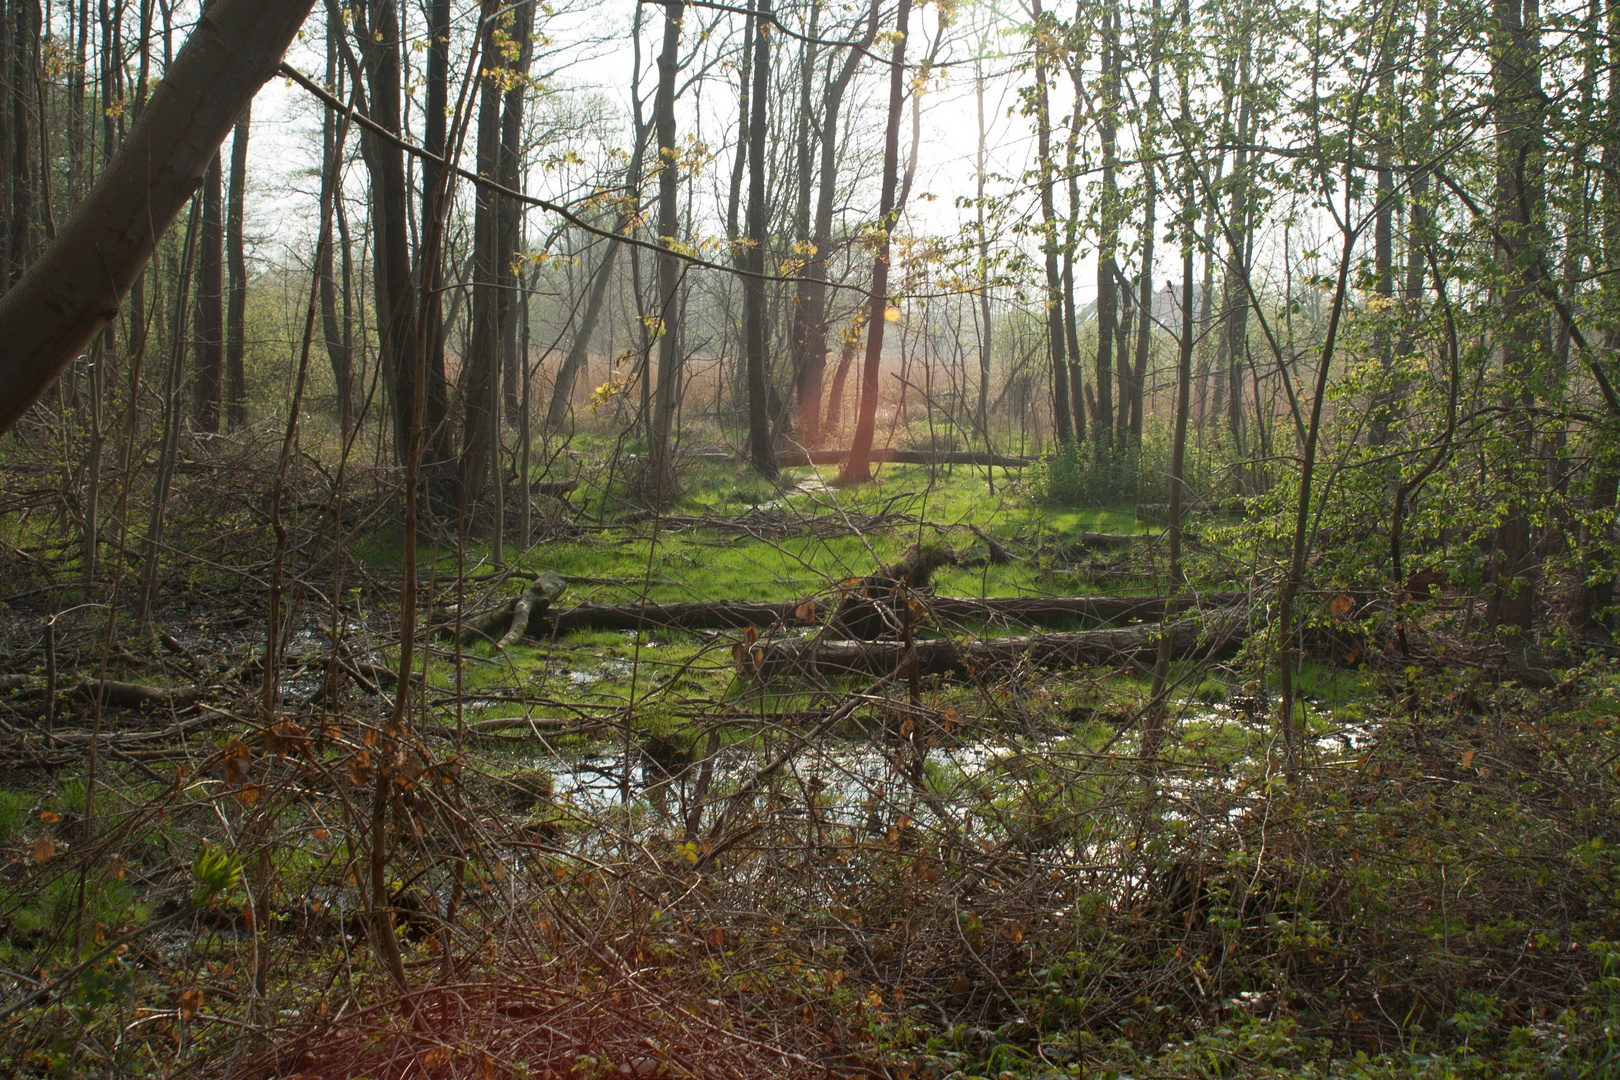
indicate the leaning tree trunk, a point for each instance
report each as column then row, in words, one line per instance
column 857, row 469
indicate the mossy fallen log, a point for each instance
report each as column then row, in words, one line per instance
column 981, row 656
column 796, row 459
column 942, row 611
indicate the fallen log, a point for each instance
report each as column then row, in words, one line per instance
column 113, row 692
column 1220, row 635
column 496, row 625
column 557, row 489
column 796, row 459
column 949, row 610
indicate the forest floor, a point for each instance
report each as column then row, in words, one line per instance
column 619, row 852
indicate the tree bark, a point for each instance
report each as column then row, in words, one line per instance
column 1150, row 199
column 1153, row 717
column 1516, row 78
column 332, row 329
column 480, row 365
column 236, row 269
column 760, row 450
column 1221, row 635
column 210, row 322
column 659, row 481
column 435, row 137
column 1108, row 238
column 811, row 309
column 393, row 282
column 1063, row 420
column 509, row 216
column 857, row 469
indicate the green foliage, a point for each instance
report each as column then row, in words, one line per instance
column 216, row 871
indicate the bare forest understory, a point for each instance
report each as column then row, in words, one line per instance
column 910, row 539
column 795, row 781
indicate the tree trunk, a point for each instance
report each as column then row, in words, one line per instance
column 236, row 268
column 989, row 657
column 986, row 328
column 1108, row 238
column 434, row 140
column 1516, row 76
column 858, row 468
column 210, row 321
column 393, row 283
column 1239, row 238
column 1063, row 419
column 1153, row 717
column 480, row 365
column 803, row 178
column 658, row 483
column 812, row 296
column 1071, row 320
column 510, row 212
column 760, row 450
column 26, row 23
column 1150, row 199
column 337, row 345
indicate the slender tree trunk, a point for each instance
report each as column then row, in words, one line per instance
column 801, row 225
column 760, row 450
column 510, row 213
column 1153, row 720
column 1150, row 198
column 236, row 268
column 210, row 320
column 858, row 469
column 1062, row 418
column 986, row 328
column 739, row 163
column 1239, row 239
column 1108, row 239
column 1071, row 320
column 393, row 281
column 659, row 482
column 10, row 91
column 812, row 299
column 337, row 346
column 435, row 137
column 846, row 360
column 24, row 69
column 562, row 390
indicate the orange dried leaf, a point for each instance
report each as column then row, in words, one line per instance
column 50, row 817
column 248, row 795
column 190, row 1003
column 44, row 850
